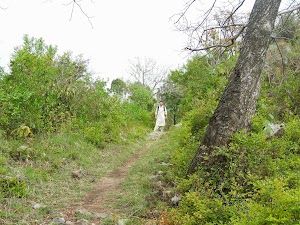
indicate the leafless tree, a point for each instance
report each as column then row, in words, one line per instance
column 147, row 72
column 216, row 28
column 226, row 20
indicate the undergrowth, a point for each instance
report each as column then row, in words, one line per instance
column 56, row 120
column 255, row 182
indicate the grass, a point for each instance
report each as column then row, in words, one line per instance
column 47, row 173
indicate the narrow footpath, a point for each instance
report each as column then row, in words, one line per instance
column 95, row 205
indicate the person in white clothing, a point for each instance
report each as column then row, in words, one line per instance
column 161, row 116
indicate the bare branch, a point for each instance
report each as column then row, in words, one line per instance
column 282, row 63
column 225, row 26
column 71, row 2
column 76, row 3
column 209, row 47
column 147, row 72
column 289, row 10
column 206, row 16
column 72, row 11
column 226, row 45
column 235, row 10
column 214, row 28
column 185, row 11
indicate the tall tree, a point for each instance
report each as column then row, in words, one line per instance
column 238, row 102
column 118, row 86
column 147, row 72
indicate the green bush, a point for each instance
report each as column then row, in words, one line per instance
column 95, row 135
column 253, row 180
column 46, row 93
column 184, row 150
column 198, row 118
column 198, row 209
column 141, row 96
column 12, row 187
column 273, row 203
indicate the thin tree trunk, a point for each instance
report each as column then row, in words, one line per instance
column 238, row 103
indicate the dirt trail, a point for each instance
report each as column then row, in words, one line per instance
column 96, row 200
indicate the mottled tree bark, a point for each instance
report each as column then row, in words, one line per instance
column 238, row 102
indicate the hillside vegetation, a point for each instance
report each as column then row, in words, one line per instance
column 255, row 179
column 56, row 120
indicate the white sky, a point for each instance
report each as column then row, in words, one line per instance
column 122, row 31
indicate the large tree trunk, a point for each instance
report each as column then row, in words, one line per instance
column 238, row 103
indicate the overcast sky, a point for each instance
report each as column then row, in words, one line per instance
column 122, row 30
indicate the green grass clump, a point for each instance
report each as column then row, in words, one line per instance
column 12, row 187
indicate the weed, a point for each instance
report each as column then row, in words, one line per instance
column 12, row 187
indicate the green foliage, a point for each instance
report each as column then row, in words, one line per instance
column 184, row 150
column 132, row 112
column 46, row 92
column 12, row 187
column 23, row 132
column 3, row 163
column 198, row 79
column 35, row 92
column 141, row 96
column 255, row 178
column 118, row 86
column 195, row 85
column 281, row 82
column 95, row 134
column 55, row 118
column 23, row 90
column 198, row 118
column 196, row 209
column 273, row 203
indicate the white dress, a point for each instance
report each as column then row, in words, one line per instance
column 160, row 113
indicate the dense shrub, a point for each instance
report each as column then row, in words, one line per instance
column 46, row 92
column 47, row 95
column 253, row 180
